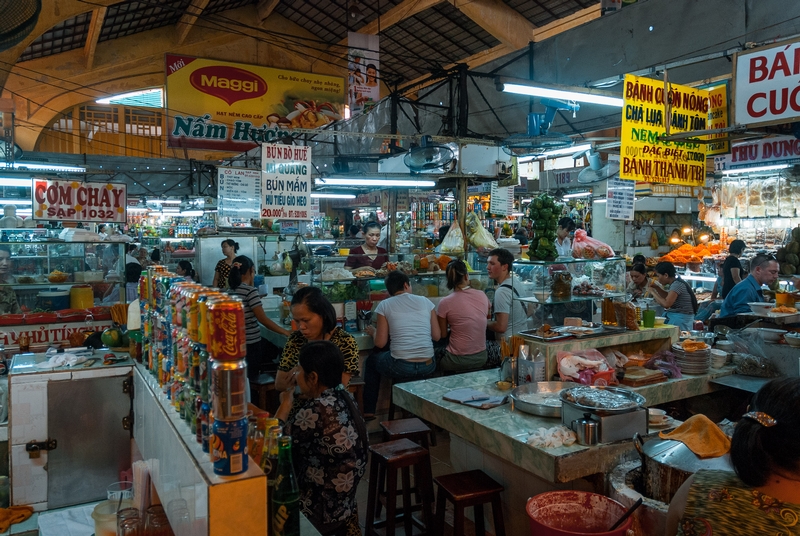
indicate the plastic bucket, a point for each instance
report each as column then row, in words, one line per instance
column 105, row 516
column 563, row 513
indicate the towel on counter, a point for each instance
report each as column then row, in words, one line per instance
column 475, row 398
column 14, row 514
column 702, row 436
column 62, row 360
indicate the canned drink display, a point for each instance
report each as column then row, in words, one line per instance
column 228, row 381
column 228, row 444
column 205, row 417
column 227, row 340
column 203, row 375
column 152, row 271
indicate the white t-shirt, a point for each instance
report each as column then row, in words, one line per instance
column 504, row 302
column 409, row 319
column 564, row 249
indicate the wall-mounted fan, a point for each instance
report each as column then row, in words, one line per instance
column 539, row 139
column 596, row 171
column 428, row 156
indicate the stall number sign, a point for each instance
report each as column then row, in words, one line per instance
column 285, row 182
column 239, row 193
column 767, row 85
column 644, row 156
column 78, row 201
column 620, row 198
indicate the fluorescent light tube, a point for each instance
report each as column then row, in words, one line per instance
column 333, row 196
column 600, row 200
column 375, row 182
column 20, row 202
column 137, row 209
column 113, row 98
column 192, row 213
column 43, row 167
column 754, row 169
column 535, row 91
column 167, row 201
column 579, row 194
column 9, row 181
column 572, row 149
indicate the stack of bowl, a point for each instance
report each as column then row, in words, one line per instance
column 718, row 358
column 792, row 339
column 692, row 362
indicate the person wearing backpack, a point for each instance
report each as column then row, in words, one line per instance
column 675, row 295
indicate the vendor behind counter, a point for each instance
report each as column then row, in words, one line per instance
column 8, row 298
column 369, row 253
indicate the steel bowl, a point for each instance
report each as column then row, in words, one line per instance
column 636, row 398
column 539, row 387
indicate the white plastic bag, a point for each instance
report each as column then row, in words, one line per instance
column 477, row 234
column 453, row 242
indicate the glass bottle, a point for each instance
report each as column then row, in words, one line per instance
column 286, row 496
column 269, row 464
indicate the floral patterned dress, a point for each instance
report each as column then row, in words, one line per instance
column 720, row 503
column 329, row 445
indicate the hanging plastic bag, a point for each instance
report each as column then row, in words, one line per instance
column 453, row 243
column 477, row 234
column 586, row 247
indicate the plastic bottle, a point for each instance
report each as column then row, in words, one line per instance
column 286, row 498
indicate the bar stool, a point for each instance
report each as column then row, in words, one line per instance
column 470, row 488
column 386, row 459
column 413, row 429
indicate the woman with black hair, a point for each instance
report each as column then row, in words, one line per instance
column 316, row 321
column 329, row 440
column 185, row 269
column 563, row 244
column 763, row 496
column 675, row 295
column 223, row 268
column 368, row 254
column 639, row 283
column 241, row 277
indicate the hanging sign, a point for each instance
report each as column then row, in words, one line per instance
column 501, row 200
column 767, row 85
column 620, row 197
column 67, row 200
column 764, row 152
column 643, row 156
column 285, row 182
column 718, row 117
column 228, row 106
column 363, row 65
column 239, row 193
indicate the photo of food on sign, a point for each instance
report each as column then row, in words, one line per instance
column 297, row 112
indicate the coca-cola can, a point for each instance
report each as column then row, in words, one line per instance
column 226, row 334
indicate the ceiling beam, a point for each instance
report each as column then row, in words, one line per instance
column 502, row 22
column 189, row 18
column 96, row 25
column 265, row 9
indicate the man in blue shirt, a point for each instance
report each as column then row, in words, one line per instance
column 763, row 271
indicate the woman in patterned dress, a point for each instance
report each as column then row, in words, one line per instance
column 329, row 440
column 223, row 268
column 763, row 496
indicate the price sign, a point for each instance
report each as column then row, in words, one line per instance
column 620, row 195
column 239, row 192
column 286, row 182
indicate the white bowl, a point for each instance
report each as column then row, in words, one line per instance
column 792, row 339
column 718, row 353
column 541, row 296
column 769, row 335
column 761, row 308
column 726, row 346
column 660, row 320
column 656, row 416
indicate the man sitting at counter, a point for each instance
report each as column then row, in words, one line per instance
column 763, row 271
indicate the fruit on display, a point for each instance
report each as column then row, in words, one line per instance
column 112, row 338
column 544, row 213
column 789, row 255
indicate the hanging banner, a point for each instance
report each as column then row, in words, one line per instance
column 226, row 106
column 239, row 193
column 643, row 157
column 620, row 197
column 776, row 150
column 766, row 85
column 285, row 182
column 718, row 117
column 363, row 65
column 501, row 200
column 67, row 200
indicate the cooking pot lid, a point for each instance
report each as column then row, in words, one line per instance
column 675, row 454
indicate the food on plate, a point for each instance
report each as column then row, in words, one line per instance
column 598, row 398
column 783, row 309
column 57, row 276
column 364, row 271
column 573, row 321
column 545, row 331
column 691, row 345
column 587, row 289
column 543, row 399
column 504, row 386
column 25, row 280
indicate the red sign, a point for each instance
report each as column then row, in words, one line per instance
column 78, row 201
column 230, row 84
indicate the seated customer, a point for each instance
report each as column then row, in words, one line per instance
column 465, row 312
column 329, row 440
column 763, row 496
column 763, row 271
column 412, row 324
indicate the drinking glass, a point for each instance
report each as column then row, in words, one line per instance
column 131, row 526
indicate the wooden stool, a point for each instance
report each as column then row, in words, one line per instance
column 388, row 458
column 470, row 488
column 413, row 429
column 262, row 386
column 356, row 386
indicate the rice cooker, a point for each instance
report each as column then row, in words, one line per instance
column 54, row 299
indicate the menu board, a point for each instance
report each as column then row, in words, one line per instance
column 501, row 201
column 286, row 182
column 239, row 192
column 620, row 195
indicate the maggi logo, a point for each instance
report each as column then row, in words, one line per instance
column 230, row 84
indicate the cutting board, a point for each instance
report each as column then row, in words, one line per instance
column 638, row 376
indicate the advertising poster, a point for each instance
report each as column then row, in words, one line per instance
column 363, row 66
column 620, row 196
column 69, row 200
column 286, row 182
column 239, row 193
column 718, row 117
column 643, row 156
column 767, row 85
column 226, row 106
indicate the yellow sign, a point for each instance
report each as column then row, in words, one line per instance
column 643, row 155
column 718, row 117
column 227, row 106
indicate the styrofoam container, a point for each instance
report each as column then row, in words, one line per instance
column 93, row 276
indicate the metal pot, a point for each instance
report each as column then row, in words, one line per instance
column 586, row 430
column 666, row 464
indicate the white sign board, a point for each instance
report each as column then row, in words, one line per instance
column 767, row 85
column 502, row 200
column 620, row 195
column 285, row 182
column 239, row 193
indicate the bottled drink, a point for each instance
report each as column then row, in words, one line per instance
column 286, row 498
column 269, row 464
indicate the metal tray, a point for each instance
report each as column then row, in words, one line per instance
column 584, row 331
column 531, row 333
column 638, row 399
column 540, row 387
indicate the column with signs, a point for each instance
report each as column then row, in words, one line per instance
column 239, row 193
column 620, row 195
column 286, row 182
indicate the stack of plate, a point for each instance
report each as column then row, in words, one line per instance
column 692, row 362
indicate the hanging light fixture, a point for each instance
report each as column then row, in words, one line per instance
column 354, row 12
